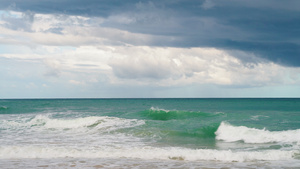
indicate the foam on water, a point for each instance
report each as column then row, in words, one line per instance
column 149, row 153
column 258, row 117
column 158, row 109
column 230, row 133
column 97, row 122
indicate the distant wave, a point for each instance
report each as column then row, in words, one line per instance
column 258, row 117
column 3, row 108
column 158, row 109
column 164, row 115
column 230, row 133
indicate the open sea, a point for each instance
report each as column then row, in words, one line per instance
column 149, row 133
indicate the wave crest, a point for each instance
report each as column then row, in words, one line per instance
column 164, row 115
column 230, row 133
column 97, row 122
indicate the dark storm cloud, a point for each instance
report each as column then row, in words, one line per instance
column 270, row 28
column 71, row 7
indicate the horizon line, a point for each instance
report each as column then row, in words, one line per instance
column 65, row 98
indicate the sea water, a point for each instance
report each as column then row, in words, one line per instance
column 150, row 133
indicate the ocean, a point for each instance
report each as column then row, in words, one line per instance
column 150, row 133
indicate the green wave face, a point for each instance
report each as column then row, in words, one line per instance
column 178, row 134
column 164, row 115
column 178, row 127
column 2, row 108
column 202, row 132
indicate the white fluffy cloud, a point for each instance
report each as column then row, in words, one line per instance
column 177, row 66
column 141, row 65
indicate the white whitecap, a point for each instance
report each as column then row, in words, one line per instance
column 258, row 117
column 97, row 122
column 230, row 133
column 158, row 109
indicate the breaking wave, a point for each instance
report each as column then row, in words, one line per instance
column 230, row 133
column 164, row 115
column 97, row 122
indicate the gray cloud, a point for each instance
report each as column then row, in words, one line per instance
column 269, row 29
column 142, row 68
column 55, row 30
column 71, row 7
column 23, row 23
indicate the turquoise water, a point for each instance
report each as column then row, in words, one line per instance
column 150, row 133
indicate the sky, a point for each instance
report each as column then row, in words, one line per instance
column 149, row 49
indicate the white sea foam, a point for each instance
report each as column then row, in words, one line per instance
column 149, row 153
column 158, row 109
column 97, row 122
column 230, row 133
column 258, row 117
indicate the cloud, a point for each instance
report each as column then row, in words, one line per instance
column 155, row 45
column 180, row 66
column 157, row 66
column 53, row 68
column 18, row 21
column 74, row 7
column 208, row 4
column 108, row 69
column 64, row 30
column 75, row 82
column 267, row 29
